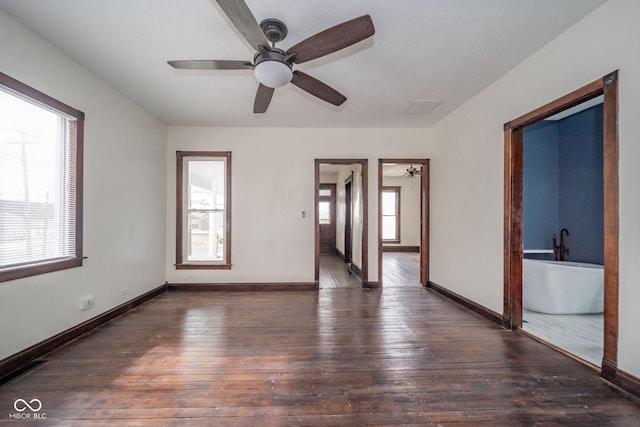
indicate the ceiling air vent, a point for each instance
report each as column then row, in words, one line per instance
column 422, row 107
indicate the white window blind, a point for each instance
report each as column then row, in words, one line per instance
column 37, row 182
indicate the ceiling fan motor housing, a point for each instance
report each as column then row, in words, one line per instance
column 272, row 54
column 274, row 29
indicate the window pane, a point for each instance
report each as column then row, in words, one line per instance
column 388, row 203
column 389, row 228
column 326, row 192
column 37, row 213
column 324, row 212
column 205, row 239
column 206, row 184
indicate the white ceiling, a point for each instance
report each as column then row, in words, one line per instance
column 437, row 50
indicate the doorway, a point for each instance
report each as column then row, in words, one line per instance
column 514, row 206
column 562, row 283
column 403, row 222
column 348, row 264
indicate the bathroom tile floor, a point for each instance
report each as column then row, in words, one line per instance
column 579, row 334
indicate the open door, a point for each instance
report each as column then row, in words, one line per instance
column 348, row 219
column 327, row 218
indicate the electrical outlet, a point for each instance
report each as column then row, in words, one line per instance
column 87, row 302
column 124, row 291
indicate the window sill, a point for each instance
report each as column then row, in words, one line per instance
column 391, row 241
column 36, row 269
column 203, row 266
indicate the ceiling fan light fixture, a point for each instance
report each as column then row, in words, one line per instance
column 273, row 73
column 411, row 171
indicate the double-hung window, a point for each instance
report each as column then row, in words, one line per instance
column 203, row 223
column 40, row 182
column 391, row 214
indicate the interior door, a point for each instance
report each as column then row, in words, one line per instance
column 348, row 239
column 327, row 218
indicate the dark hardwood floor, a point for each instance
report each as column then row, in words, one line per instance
column 400, row 269
column 337, row 357
column 334, row 273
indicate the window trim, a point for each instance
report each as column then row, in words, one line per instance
column 47, row 101
column 393, row 189
column 180, row 211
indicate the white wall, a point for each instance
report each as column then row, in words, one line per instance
column 272, row 182
column 124, row 198
column 409, row 209
column 467, row 162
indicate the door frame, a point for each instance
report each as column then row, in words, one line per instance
column 424, row 215
column 513, row 209
column 364, row 163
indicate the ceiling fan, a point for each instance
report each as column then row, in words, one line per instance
column 272, row 66
column 411, row 172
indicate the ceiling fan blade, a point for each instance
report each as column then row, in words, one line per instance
column 240, row 15
column 263, row 98
column 316, row 88
column 210, row 64
column 333, row 39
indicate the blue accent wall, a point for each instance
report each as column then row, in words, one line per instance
column 541, row 185
column 581, row 185
column 563, row 185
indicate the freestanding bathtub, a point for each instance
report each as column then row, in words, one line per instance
column 562, row 287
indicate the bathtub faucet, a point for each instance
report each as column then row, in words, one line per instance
column 560, row 251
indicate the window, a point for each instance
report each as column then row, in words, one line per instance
column 391, row 214
column 326, row 202
column 40, row 182
column 324, row 212
column 203, row 225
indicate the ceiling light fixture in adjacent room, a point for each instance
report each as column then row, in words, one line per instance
column 411, row 171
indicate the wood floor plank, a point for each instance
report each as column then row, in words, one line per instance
column 338, row 357
column 400, row 269
column 334, row 273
